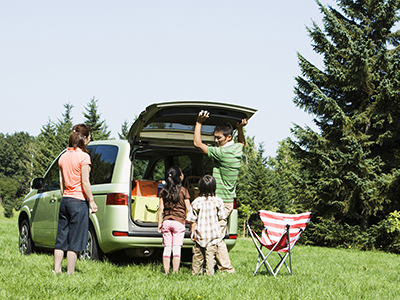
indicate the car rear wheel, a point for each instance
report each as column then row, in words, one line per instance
column 93, row 251
column 25, row 241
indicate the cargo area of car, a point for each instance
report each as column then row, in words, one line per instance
column 145, row 198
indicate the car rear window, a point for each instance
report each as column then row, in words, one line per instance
column 103, row 162
column 177, row 126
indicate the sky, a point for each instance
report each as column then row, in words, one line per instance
column 129, row 54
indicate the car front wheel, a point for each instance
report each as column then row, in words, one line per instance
column 25, row 241
column 93, row 251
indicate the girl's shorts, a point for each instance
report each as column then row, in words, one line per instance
column 173, row 233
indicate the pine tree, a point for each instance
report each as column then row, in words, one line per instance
column 98, row 126
column 254, row 180
column 47, row 147
column 259, row 182
column 64, row 126
column 124, row 131
column 349, row 166
column 285, row 170
column 242, row 188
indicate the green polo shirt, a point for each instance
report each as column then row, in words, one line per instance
column 226, row 169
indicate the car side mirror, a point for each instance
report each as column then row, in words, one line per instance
column 38, row 183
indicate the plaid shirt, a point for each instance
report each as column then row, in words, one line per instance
column 206, row 212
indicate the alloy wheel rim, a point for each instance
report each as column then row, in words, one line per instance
column 87, row 254
column 23, row 240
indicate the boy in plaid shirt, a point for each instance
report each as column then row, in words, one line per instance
column 204, row 215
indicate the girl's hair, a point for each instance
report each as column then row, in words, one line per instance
column 207, row 186
column 78, row 135
column 173, row 184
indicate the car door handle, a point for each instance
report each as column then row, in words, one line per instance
column 53, row 199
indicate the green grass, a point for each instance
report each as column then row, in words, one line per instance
column 319, row 273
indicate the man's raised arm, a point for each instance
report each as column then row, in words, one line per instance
column 241, row 137
column 202, row 116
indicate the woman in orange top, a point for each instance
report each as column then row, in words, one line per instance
column 73, row 221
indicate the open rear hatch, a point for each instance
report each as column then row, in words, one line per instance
column 172, row 123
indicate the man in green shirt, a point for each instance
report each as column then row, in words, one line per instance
column 227, row 157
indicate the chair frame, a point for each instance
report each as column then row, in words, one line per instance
column 284, row 244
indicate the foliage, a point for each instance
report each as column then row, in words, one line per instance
column 245, row 210
column 385, row 235
column 266, row 182
column 8, row 192
column 64, row 126
column 124, row 131
column 15, row 169
column 93, row 119
column 350, row 168
column 125, row 127
column 327, row 233
column 285, row 172
column 49, row 143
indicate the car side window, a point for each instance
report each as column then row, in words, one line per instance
column 52, row 178
column 103, row 159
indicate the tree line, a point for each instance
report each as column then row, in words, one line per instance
column 347, row 172
column 24, row 157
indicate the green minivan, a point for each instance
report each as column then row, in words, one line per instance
column 126, row 177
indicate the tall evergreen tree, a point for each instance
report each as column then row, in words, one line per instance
column 242, row 188
column 349, row 166
column 64, row 126
column 253, row 185
column 124, row 131
column 47, row 147
column 93, row 119
column 285, row 170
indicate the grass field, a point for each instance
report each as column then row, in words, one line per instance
column 319, row 273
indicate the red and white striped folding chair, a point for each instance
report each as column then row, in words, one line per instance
column 280, row 234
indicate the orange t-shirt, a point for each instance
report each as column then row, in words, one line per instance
column 71, row 163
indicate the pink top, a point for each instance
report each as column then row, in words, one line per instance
column 71, row 163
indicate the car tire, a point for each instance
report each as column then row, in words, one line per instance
column 26, row 245
column 93, row 251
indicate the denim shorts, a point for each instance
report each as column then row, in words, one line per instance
column 73, row 225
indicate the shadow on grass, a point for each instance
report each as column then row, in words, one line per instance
column 120, row 258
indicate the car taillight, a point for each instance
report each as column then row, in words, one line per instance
column 119, row 233
column 117, row 199
column 233, row 236
column 235, row 203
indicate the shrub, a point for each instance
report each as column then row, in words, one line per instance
column 383, row 236
column 8, row 194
